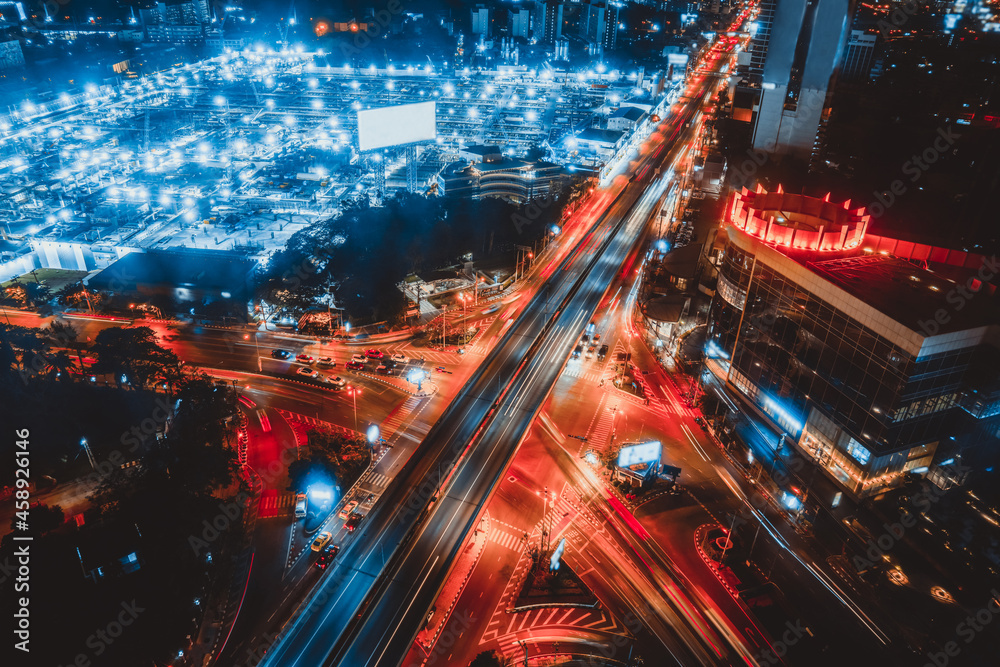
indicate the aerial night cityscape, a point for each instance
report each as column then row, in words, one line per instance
column 490, row 333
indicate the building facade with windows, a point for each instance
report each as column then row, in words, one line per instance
column 856, row 63
column 860, row 356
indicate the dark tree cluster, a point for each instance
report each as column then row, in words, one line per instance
column 329, row 456
column 161, row 473
column 364, row 253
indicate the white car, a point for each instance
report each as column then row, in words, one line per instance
column 321, row 540
column 307, row 372
column 399, row 358
column 326, row 362
column 336, row 381
column 360, row 358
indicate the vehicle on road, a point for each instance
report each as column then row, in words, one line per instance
column 265, row 423
column 321, row 540
column 327, row 556
column 347, row 509
column 383, row 370
column 374, row 354
column 305, row 359
column 590, row 351
column 442, row 369
column 354, row 366
column 603, row 352
column 399, row 358
column 307, row 372
column 578, row 350
column 326, row 362
column 336, row 381
column 281, row 354
column 353, row 521
column 300, row 505
column 492, row 309
column 360, row 358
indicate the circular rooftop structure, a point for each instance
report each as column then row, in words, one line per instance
column 797, row 222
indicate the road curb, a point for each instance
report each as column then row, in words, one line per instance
column 468, row 575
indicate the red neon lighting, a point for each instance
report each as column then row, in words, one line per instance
column 796, row 221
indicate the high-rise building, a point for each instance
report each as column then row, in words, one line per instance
column 599, row 24
column 799, row 42
column 856, row 64
column 481, row 20
column 548, row 21
column 519, row 23
column 846, row 341
column 183, row 12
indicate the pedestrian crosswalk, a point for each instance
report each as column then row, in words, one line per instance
column 376, row 481
column 399, row 415
column 505, row 539
column 275, row 505
column 508, row 625
column 589, row 374
column 600, row 433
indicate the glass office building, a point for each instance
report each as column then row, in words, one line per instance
column 840, row 345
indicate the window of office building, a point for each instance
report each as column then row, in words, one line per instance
column 858, row 452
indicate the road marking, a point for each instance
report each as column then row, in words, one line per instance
column 694, row 442
column 413, row 598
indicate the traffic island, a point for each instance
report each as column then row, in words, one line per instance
column 545, row 588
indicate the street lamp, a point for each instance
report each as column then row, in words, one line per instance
column 476, row 289
column 353, row 393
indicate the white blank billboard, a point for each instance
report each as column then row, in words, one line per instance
column 396, row 126
column 647, row 452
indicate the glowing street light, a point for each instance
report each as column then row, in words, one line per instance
column 417, row 376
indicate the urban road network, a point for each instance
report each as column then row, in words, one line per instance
column 370, row 606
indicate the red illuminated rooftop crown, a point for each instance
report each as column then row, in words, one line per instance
column 798, row 222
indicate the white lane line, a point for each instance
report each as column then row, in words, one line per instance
column 694, row 442
column 413, row 598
